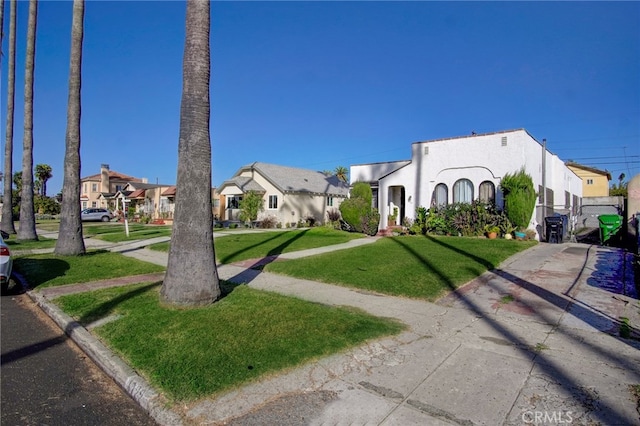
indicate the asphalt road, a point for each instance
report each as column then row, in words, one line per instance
column 47, row 380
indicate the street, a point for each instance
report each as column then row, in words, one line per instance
column 47, row 380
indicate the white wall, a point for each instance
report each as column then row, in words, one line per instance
column 479, row 158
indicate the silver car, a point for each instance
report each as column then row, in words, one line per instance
column 96, row 214
column 6, row 264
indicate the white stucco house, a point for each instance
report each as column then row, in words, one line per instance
column 466, row 168
column 290, row 194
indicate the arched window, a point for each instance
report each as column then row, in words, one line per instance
column 487, row 192
column 463, row 191
column 440, row 195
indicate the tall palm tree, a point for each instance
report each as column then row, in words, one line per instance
column 27, row 230
column 70, row 239
column 7, row 212
column 192, row 276
column 43, row 174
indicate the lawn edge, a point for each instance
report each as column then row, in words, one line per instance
column 125, row 376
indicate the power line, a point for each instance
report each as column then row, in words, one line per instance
column 606, row 158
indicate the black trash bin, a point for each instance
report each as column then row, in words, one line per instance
column 554, row 229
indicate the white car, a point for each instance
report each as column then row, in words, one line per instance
column 96, row 214
column 6, row 263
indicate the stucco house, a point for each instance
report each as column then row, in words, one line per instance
column 466, row 168
column 595, row 182
column 98, row 190
column 290, row 194
column 146, row 199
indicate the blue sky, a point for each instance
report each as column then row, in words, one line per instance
column 324, row 84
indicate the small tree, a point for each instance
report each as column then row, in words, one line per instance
column 519, row 198
column 252, row 203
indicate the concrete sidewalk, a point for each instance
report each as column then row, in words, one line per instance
column 533, row 342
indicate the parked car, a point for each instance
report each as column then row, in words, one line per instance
column 96, row 214
column 6, row 263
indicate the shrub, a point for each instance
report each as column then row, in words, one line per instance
column 309, row 220
column 520, row 197
column 357, row 211
column 370, row 221
column 268, row 222
column 333, row 215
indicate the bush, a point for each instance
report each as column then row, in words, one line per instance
column 519, row 198
column 369, row 222
column 333, row 215
column 268, row 222
column 357, row 210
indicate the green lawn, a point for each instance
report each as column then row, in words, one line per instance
column 115, row 232
column 233, row 248
column 192, row 353
column 411, row 266
column 48, row 270
column 42, row 243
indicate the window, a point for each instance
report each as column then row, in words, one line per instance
column 84, row 188
column 94, row 204
column 329, row 201
column 589, row 181
column 567, row 199
column 118, row 188
column 234, row 202
column 487, row 192
column 94, row 187
column 463, row 191
column 273, row 201
column 440, row 195
column 84, row 205
column 216, row 202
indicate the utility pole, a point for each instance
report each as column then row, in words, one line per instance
column 544, row 178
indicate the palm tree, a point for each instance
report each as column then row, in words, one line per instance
column 7, row 212
column 342, row 173
column 27, row 229
column 70, row 239
column 43, row 174
column 192, row 277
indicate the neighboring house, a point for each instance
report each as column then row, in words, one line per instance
column 595, row 182
column 467, row 168
column 146, row 199
column 99, row 190
column 290, row 194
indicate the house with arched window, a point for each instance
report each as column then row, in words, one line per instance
column 467, row 168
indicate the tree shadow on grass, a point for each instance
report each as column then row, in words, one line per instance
column 271, row 254
column 37, row 271
column 606, row 413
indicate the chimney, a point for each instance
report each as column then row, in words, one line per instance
column 104, row 178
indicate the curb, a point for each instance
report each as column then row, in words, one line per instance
column 132, row 383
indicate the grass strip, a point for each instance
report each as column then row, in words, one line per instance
column 48, row 270
column 412, row 266
column 192, row 353
column 42, row 243
column 237, row 247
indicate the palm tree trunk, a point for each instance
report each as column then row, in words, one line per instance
column 27, row 229
column 192, row 276
column 7, row 212
column 70, row 239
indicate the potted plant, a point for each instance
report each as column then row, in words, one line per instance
column 492, row 231
column 391, row 219
column 520, row 234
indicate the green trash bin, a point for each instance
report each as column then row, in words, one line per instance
column 610, row 226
